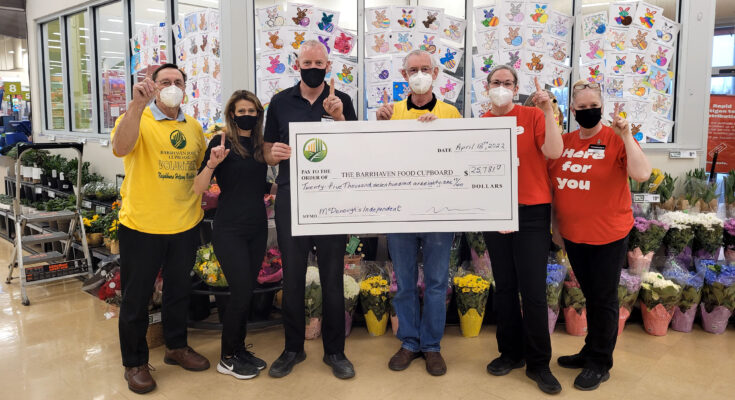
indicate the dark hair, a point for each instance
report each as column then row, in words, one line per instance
column 165, row 66
column 232, row 131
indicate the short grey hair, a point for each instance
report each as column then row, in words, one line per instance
column 419, row 52
column 313, row 43
column 504, row 67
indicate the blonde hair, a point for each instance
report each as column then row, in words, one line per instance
column 585, row 82
column 313, row 43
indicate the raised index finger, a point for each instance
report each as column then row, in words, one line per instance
column 538, row 87
column 222, row 137
column 331, row 87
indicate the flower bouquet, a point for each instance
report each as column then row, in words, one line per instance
column 313, row 303
column 728, row 240
column 728, row 184
column 718, row 295
column 271, row 270
column 575, row 306
column 628, row 288
column 352, row 294
column 555, row 274
column 659, row 297
column 374, row 291
column 94, row 227
column 645, row 238
column 696, row 193
column 691, row 293
column 707, row 236
column 210, row 198
column 207, row 267
column 472, row 293
column 678, row 239
column 665, row 190
column 479, row 253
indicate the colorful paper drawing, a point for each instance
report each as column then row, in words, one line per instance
column 533, row 62
column 559, row 25
column 646, row 15
column 592, row 50
column 483, row 63
column 481, row 89
column 295, row 37
column 401, row 42
column 512, row 12
column 271, row 17
column 377, row 18
column 638, row 63
column 344, row 41
column 634, row 86
column 379, row 94
column 511, row 57
column 615, row 107
column 486, row 17
column 558, row 49
column 299, row 15
column 616, row 39
column 534, row 37
column 661, row 104
column 378, row 70
column 487, row 41
column 327, row 20
column 594, row 25
column 404, row 17
column 512, row 35
column 666, row 31
column 592, row 73
column 326, row 41
column 345, row 71
column 428, row 44
column 638, row 110
column 658, row 79
column 447, row 88
column 453, row 28
column 615, row 63
column 558, row 74
column 614, row 86
column 378, row 43
column 638, row 39
column 272, row 40
column 537, row 12
column 430, row 19
column 400, row 91
column 637, row 132
column 621, row 14
column 658, row 129
column 480, row 108
column 660, row 55
column 449, row 58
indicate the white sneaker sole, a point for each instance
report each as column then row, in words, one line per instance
column 225, row 371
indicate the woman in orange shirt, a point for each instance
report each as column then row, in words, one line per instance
column 519, row 258
column 593, row 216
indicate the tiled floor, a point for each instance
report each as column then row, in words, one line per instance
column 62, row 347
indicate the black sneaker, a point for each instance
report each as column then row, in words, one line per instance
column 545, row 380
column 250, row 357
column 590, row 379
column 575, row 361
column 237, row 367
column 341, row 367
column 503, row 365
column 285, row 362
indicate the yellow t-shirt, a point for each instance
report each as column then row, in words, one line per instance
column 441, row 109
column 157, row 193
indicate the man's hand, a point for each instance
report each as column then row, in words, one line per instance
column 280, row 151
column 218, row 154
column 541, row 99
column 428, row 117
column 333, row 105
column 385, row 112
column 144, row 90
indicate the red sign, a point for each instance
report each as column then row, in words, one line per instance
column 721, row 136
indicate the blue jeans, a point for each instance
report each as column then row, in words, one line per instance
column 421, row 332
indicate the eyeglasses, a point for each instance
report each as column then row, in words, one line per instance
column 506, row 84
column 167, row 83
column 591, row 85
column 424, row 70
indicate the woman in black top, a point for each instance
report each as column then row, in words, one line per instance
column 235, row 158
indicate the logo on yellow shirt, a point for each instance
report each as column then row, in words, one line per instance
column 178, row 139
column 315, row 150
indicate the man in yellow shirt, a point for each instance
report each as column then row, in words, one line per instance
column 420, row 334
column 162, row 149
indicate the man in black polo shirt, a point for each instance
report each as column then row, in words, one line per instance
column 310, row 100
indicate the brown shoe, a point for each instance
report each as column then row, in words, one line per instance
column 187, row 358
column 402, row 359
column 139, row 379
column 435, row 364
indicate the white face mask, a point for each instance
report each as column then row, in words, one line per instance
column 420, row 82
column 171, row 96
column 500, row 96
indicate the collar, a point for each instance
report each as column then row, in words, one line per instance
column 428, row 106
column 158, row 115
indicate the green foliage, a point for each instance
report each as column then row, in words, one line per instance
column 690, row 296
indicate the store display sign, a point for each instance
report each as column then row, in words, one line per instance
column 721, row 138
column 358, row 176
column 26, row 95
column 12, row 88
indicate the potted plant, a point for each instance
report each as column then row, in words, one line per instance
column 728, row 185
column 94, row 227
column 659, row 297
column 374, row 300
column 472, row 292
column 313, row 303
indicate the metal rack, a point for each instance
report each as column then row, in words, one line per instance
column 47, row 266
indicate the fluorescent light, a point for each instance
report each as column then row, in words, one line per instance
column 606, row 3
column 57, row 33
column 156, row 10
column 104, row 38
column 143, row 23
column 11, row 52
column 112, row 32
column 83, row 29
column 54, row 47
column 84, row 37
column 113, row 52
column 114, row 20
column 211, row 1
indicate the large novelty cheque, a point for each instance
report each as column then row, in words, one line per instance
column 404, row 176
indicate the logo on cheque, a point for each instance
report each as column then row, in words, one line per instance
column 178, row 139
column 315, row 150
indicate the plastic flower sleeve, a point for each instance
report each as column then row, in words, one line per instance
column 645, row 239
column 728, row 237
column 679, row 238
column 472, row 291
column 628, row 288
column 374, row 293
column 708, row 231
column 555, row 274
column 572, row 293
column 480, row 256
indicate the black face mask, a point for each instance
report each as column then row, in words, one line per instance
column 245, row 122
column 588, row 118
column 313, row 77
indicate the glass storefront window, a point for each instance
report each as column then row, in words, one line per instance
column 186, row 6
column 147, row 13
column 80, row 74
column 54, row 71
column 723, row 50
column 110, row 64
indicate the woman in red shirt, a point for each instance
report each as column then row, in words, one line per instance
column 592, row 213
column 519, row 258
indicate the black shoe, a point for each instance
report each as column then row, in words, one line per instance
column 590, row 379
column 575, row 361
column 545, row 381
column 341, row 367
column 249, row 356
column 237, row 367
column 503, row 365
column 285, row 362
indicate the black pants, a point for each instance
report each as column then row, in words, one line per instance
column 142, row 255
column 240, row 254
column 519, row 265
column 597, row 269
column 330, row 256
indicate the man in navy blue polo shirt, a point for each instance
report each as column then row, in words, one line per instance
column 309, row 100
